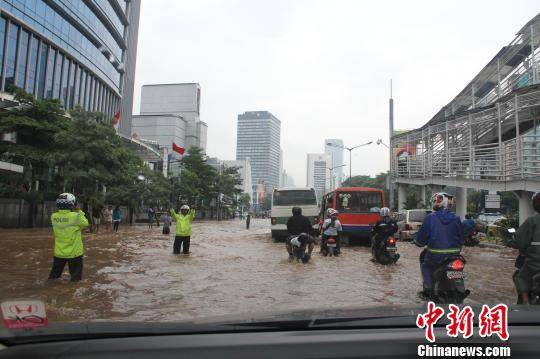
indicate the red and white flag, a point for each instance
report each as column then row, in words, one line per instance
column 178, row 149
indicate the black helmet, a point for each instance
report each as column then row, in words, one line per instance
column 536, row 201
column 296, row 211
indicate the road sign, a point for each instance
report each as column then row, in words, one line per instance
column 493, row 201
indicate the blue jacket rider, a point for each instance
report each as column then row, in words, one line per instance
column 442, row 233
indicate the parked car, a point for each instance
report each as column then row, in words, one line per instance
column 409, row 222
column 491, row 222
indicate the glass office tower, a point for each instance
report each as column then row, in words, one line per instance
column 81, row 52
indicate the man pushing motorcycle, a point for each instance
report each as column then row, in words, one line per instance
column 300, row 239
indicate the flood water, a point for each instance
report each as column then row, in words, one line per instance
column 133, row 275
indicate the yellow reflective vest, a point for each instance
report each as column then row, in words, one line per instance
column 67, row 227
column 183, row 223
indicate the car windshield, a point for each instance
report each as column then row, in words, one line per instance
column 294, row 198
column 418, row 216
column 492, row 218
column 151, row 152
column 359, row 202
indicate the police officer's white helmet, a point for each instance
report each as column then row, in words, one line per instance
column 185, row 206
column 66, row 201
column 385, row 212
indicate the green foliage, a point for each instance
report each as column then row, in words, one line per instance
column 199, row 183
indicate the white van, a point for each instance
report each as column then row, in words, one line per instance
column 283, row 201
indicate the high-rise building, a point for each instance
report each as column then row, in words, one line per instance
column 244, row 169
column 80, row 52
column 181, row 99
column 335, row 151
column 258, row 138
column 286, row 180
column 317, row 172
column 280, row 167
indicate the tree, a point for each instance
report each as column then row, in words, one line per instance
column 196, row 183
column 95, row 158
column 34, row 125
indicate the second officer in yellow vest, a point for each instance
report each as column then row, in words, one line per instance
column 183, row 228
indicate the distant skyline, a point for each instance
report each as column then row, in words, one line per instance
column 322, row 67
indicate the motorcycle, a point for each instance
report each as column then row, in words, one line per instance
column 471, row 239
column 331, row 244
column 329, row 247
column 385, row 250
column 448, row 283
column 534, row 294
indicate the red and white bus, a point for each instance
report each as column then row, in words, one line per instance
column 358, row 208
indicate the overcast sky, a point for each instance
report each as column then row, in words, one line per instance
column 322, row 67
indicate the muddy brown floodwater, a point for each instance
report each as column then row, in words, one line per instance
column 133, row 275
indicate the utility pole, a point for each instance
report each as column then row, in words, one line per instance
column 350, row 149
column 391, row 133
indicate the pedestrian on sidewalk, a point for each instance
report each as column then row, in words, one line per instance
column 96, row 218
column 248, row 220
column 150, row 213
column 107, row 215
column 183, row 228
column 67, row 224
column 167, row 221
column 156, row 211
column 117, row 217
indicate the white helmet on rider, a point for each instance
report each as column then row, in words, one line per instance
column 385, row 212
column 331, row 212
column 184, row 207
column 441, row 200
column 66, row 201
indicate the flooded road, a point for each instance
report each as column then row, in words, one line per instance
column 134, row 276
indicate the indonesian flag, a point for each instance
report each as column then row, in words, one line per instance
column 178, row 149
column 116, row 118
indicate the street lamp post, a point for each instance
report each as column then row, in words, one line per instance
column 350, row 149
column 331, row 169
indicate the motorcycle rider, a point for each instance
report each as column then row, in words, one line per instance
column 382, row 229
column 442, row 233
column 469, row 225
column 298, row 225
column 527, row 240
column 331, row 228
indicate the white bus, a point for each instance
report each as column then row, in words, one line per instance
column 283, row 201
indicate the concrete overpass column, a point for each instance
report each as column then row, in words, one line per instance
column 402, row 196
column 525, row 205
column 423, row 195
column 461, row 201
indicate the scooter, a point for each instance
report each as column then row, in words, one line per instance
column 385, row 250
column 471, row 239
column 329, row 247
column 331, row 244
column 448, row 283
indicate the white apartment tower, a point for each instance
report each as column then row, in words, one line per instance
column 317, row 172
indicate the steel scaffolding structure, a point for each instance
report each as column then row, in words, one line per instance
column 488, row 136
